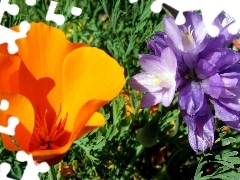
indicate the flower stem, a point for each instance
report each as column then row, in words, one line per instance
column 52, row 173
column 139, row 151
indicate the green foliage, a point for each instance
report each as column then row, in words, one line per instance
column 226, row 163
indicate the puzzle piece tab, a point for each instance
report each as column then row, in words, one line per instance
column 12, row 9
column 133, row 1
column 208, row 12
column 4, row 170
column 12, row 121
column 30, row 2
column 59, row 19
column 10, row 36
column 32, row 169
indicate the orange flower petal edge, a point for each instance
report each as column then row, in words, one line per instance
column 60, row 85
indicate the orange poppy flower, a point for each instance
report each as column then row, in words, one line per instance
column 55, row 88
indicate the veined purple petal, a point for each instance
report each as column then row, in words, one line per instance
column 228, row 58
column 151, row 99
column 165, row 96
column 191, row 98
column 231, row 96
column 213, row 86
column 194, row 22
column 157, row 43
column 155, row 47
column 169, row 61
column 231, row 103
column 233, row 124
column 145, row 82
column 225, row 114
column 168, row 96
column 150, row 63
column 190, row 59
column 219, row 20
column 205, row 69
column 174, row 36
column 221, row 58
column 202, row 137
column 191, row 37
column 224, row 38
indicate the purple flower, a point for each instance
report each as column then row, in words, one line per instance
column 207, row 76
column 223, row 21
column 158, row 78
column 200, row 129
column 188, row 39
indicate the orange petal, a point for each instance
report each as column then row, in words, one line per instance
column 51, row 156
column 9, row 66
column 97, row 120
column 54, row 156
column 43, row 52
column 20, row 107
column 91, row 78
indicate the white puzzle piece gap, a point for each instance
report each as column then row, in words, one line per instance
column 4, row 170
column 4, row 105
column 51, row 16
column 76, row 11
column 12, row 120
column 11, row 36
column 133, row 1
column 208, row 12
column 12, row 9
column 59, row 19
column 30, row 2
column 10, row 129
column 32, row 169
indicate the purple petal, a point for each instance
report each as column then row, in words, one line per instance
column 200, row 31
column 205, row 69
column 168, row 61
column 150, row 63
column 233, row 124
column 151, row 99
column 228, row 58
column 213, row 86
column 202, row 136
column 165, row 96
column 157, row 44
column 144, row 82
column 174, row 36
column 168, row 96
column 223, row 113
column 190, row 59
column 155, row 47
column 191, row 98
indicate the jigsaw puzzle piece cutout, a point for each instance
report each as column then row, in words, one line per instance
column 12, row 124
column 12, row 120
column 208, row 12
column 30, row 2
column 4, row 105
column 4, row 170
column 133, row 1
column 12, row 9
column 51, row 16
column 11, row 36
column 76, row 11
column 32, row 169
